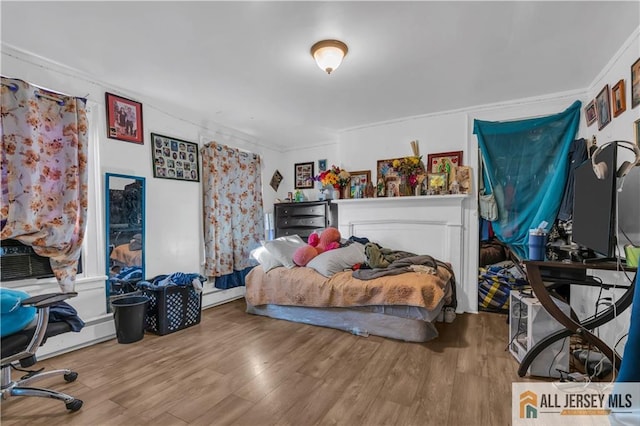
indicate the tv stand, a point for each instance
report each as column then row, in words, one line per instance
column 545, row 294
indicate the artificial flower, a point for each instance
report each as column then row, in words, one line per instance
column 335, row 177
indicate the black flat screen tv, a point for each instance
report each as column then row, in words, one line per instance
column 594, row 205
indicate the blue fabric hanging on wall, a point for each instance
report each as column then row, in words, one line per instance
column 527, row 161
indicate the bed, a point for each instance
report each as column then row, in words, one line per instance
column 402, row 306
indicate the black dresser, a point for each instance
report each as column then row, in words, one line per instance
column 304, row 218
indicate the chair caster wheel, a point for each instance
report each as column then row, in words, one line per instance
column 71, row 376
column 74, row 405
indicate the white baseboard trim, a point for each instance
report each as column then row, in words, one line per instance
column 100, row 329
column 95, row 331
column 217, row 296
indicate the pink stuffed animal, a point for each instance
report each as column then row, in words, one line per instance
column 328, row 240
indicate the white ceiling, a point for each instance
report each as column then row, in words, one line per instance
column 247, row 65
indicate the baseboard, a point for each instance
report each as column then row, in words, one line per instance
column 95, row 331
column 102, row 328
column 218, row 296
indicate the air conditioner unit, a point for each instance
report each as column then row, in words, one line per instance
column 18, row 261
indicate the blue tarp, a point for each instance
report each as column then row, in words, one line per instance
column 527, row 162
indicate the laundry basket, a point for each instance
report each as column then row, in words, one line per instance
column 171, row 307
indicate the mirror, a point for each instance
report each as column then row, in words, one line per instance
column 124, row 233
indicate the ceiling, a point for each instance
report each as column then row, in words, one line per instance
column 247, row 65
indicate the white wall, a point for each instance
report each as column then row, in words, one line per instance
column 583, row 299
column 173, row 221
column 361, row 148
column 174, row 237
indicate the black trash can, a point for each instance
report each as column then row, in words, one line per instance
column 129, row 315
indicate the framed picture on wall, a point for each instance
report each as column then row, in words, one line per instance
column 174, row 158
column 359, row 181
column 303, row 173
column 124, row 119
column 590, row 113
column 617, row 98
column 635, row 84
column 603, row 107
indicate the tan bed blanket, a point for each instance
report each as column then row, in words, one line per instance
column 302, row 286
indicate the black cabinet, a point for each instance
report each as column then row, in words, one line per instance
column 304, row 218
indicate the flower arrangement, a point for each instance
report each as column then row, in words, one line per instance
column 410, row 167
column 335, row 176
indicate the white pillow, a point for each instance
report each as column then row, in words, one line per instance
column 265, row 258
column 283, row 248
column 333, row 261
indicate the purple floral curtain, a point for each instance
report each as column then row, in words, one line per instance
column 233, row 219
column 44, row 174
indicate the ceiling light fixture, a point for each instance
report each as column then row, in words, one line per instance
column 329, row 54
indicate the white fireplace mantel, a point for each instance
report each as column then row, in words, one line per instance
column 432, row 225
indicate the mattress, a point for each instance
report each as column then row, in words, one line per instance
column 401, row 307
column 363, row 321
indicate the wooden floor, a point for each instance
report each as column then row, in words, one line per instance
column 241, row 369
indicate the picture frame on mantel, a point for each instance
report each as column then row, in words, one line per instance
column 358, row 182
column 444, row 162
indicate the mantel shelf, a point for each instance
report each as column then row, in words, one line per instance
column 410, row 199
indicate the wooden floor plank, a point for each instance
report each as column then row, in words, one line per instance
column 242, row 369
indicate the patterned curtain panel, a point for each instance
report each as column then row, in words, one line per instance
column 44, row 174
column 233, row 214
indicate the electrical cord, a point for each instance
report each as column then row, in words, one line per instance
column 519, row 331
column 553, row 361
column 626, row 236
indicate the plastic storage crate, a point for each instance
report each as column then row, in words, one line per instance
column 172, row 308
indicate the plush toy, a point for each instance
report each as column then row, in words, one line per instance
column 328, row 240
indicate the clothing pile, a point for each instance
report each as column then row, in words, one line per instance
column 495, row 283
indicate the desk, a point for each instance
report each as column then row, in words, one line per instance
column 574, row 273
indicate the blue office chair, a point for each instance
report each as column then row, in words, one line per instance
column 21, row 346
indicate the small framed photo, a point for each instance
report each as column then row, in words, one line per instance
column 385, row 168
column 174, row 158
column 635, row 84
column 322, row 165
column 437, row 182
column 392, row 185
column 359, row 181
column 636, row 126
column 590, row 113
column 463, row 177
column 124, row 119
column 617, row 98
column 303, row 173
column 444, row 162
column 603, row 107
